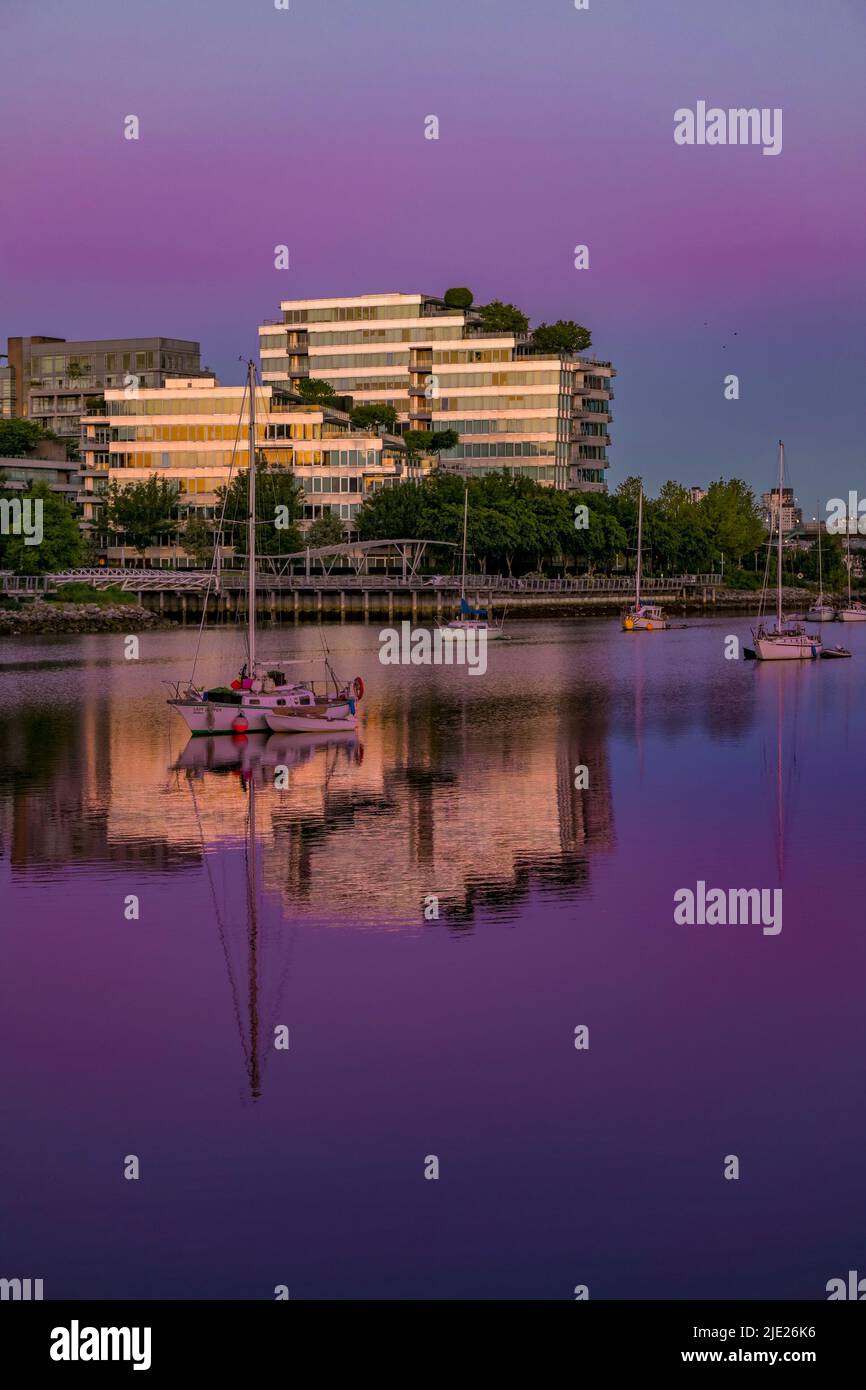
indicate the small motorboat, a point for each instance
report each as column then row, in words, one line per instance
column 828, row 652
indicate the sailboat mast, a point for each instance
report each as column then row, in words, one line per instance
column 848, row 555
column 639, row 542
column 820, row 566
column 465, row 525
column 251, row 617
column 779, row 518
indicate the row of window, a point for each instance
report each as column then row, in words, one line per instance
column 516, row 378
column 592, row 451
column 322, row 482
column 178, row 405
column 589, row 427
column 451, row 404
column 542, row 473
column 302, row 431
column 352, row 313
column 472, row 355
column 175, row 433
column 546, row 424
column 377, row 384
column 323, row 366
column 597, row 407
column 589, row 475
column 421, row 334
column 527, row 448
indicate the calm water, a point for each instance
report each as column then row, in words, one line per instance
column 451, row 1037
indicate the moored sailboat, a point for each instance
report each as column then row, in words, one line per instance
column 853, row 611
column 642, row 617
column 471, row 619
column 243, row 704
column 821, row 611
column 787, row 641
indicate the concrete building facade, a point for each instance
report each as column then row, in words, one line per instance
column 533, row 414
column 51, row 380
column 193, row 431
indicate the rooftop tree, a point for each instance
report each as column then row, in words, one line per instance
column 498, row 317
column 458, row 297
column 563, row 336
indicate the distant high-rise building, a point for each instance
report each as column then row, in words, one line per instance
column 697, row 494
column 539, row 415
column 792, row 515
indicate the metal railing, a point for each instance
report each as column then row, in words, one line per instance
column 142, row 580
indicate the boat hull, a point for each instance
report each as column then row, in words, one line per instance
column 851, row 615
column 821, row 615
column 212, row 717
column 786, row 648
column 299, row 722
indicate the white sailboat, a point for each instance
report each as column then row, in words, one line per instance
column 821, row 611
column 642, row 617
column 787, row 641
column 471, row 619
column 854, row 611
column 258, row 689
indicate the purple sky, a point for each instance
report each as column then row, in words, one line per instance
column 261, row 127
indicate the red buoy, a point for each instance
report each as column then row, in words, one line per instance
column 240, row 724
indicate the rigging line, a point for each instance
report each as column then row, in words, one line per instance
column 215, row 557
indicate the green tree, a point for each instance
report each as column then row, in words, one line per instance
column 392, row 513
column 458, row 298
column 315, row 391
column 20, row 437
column 734, row 523
column 564, row 336
column 142, row 511
column 197, row 540
column 497, row 317
column 327, row 529
column 61, row 545
column 374, row 415
column 279, row 508
column 630, row 488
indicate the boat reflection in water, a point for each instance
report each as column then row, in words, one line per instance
column 249, row 920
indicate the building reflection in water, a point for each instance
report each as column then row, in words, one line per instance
column 466, row 800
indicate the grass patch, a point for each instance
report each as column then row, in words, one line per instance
column 84, row 593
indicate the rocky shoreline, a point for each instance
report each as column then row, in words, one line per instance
column 41, row 619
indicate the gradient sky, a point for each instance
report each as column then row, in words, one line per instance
column 306, row 127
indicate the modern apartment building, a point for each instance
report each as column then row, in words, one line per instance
column 194, row 431
column 539, row 415
column 50, row 380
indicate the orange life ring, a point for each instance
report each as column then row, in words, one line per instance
column 358, row 687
